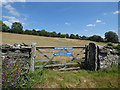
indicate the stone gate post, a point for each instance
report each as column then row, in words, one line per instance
column 92, row 60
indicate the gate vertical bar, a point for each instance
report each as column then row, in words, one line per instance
column 86, row 56
column 32, row 66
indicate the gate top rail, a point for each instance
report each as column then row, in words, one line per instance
column 52, row 47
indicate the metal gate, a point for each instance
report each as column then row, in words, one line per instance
column 59, row 58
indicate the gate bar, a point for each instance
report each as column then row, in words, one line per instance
column 52, row 65
column 58, row 59
column 75, row 47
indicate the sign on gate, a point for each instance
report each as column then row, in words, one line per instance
column 63, row 54
column 63, row 48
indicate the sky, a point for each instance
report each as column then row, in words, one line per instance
column 83, row 18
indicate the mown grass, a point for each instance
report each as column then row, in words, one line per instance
column 11, row 38
column 45, row 78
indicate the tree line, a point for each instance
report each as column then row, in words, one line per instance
column 18, row 28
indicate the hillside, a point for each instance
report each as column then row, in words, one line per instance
column 11, row 38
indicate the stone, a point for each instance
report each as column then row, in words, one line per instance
column 108, row 56
column 17, row 54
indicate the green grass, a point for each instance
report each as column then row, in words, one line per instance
column 45, row 78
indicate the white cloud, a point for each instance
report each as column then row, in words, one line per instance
column 0, row 5
column 85, row 30
column 16, row 0
column 104, row 13
column 25, row 18
column 91, row 25
column 7, row 23
column 97, row 21
column 116, row 12
column 37, row 29
column 12, row 10
column 103, row 23
column 6, row 1
column 103, row 36
column 112, row 30
column 24, row 24
column 11, row 19
column 57, row 24
column 67, row 23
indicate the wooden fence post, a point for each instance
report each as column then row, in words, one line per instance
column 32, row 57
column 86, row 56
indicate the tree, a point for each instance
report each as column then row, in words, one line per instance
column 77, row 36
column 111, row 37
column 34, row 32
column 96, row 38
column 5, row 28
column 43, row 33
column 63, row 35
column 67, row 35
column 59, row 34
column 29, row 32
column 72, row 36
column 54, row 34
column 17, row 28
column 84, row 37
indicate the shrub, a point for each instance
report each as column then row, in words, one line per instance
column 109, row 44
column 118, row 48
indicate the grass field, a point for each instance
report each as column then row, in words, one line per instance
column 10, row 38
column 66, row 79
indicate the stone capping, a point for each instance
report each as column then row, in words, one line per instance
column 15, row 46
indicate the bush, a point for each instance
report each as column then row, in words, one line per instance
column 109, row 44
column 118, row 48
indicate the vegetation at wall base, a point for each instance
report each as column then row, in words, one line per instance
column 118, row 48
column 47, row 78
column 109, row 44
column 13, row 76
column 106, row 78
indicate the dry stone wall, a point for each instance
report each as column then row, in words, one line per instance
column 108, row 57
column 16, row 53
column 101, row 57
